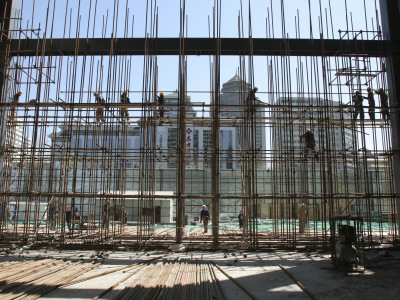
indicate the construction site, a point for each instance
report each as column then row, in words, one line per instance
column 199, row 149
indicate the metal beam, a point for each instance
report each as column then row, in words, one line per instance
column 390, row 16
column 5, row 21
column 203, row 46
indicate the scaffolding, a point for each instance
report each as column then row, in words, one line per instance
column 89, row 161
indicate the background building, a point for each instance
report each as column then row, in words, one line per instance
column 198, row 135
column 16, row 143
column 233, row 95
column 198, row 139
column 298, row 114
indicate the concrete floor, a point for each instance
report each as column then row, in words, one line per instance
column 258, row 272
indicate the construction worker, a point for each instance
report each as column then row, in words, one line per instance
column 106, row 214
column 124, row 110
column 240, row 218
column 160, row 102
column 309, row 143
column 357, row 102
column 125, row 217
column 68, row 216
column 77, row 218
column 251, row 100
column 251, row 97
column 252, row 94
column 204, row 217
column 100, row 111
column 302, row 218
column 384, row 104
column 15, row 100
column 5, row 214
column 53, row 215
column 371, row 103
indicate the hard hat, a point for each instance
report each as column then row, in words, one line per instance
column 108, row 201
column 255, row 89
column 380, row 90
column 357, row 92
column 161, row 94
column 125, row 92
column 308, row 130
column 203, row 206
column 20, row 93
column 95, row 93
column 368, row 88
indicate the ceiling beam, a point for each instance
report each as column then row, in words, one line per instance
column 202, row 46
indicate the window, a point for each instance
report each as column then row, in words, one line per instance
column 207, row 147
column 172, row 138
column 195, row 143
column 172, row 144
column 207, row 139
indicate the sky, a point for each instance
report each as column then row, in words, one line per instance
column 302, row 19
column 359, row 17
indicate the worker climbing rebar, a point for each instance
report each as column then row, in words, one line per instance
column 251, row 101
column 309, row 144
column 160, row 102
column 358, row 108
column 124, row 110
column 371, row 103
column 15, row 100
column 252, row 94
column 100, row 111
column 384, row 103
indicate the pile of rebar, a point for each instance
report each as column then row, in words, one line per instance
column 174, row 279
column 33, row 279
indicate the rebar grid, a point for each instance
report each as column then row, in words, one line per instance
column 78, row 170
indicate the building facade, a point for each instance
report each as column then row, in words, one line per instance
column 17, row 144
column 303, row 114
column 233, row 96
column 96, row 140
column 198, row 139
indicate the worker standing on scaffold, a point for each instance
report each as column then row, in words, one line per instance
column 15, row 100
column 371, row 103
column 124, row 110
column 358, row 101
column 310, row 144
column 384, row 104
column 100, row 111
